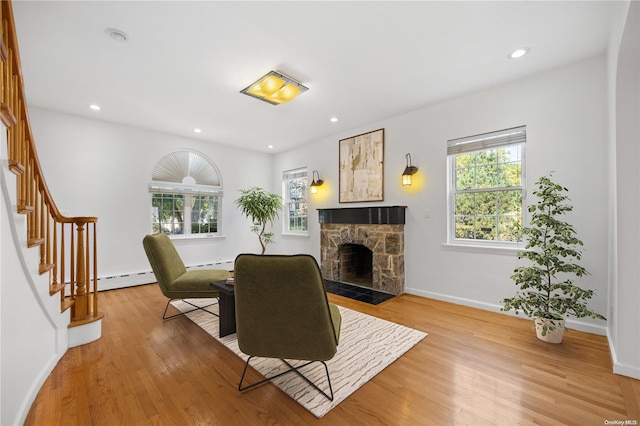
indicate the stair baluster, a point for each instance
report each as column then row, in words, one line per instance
column 75, row 248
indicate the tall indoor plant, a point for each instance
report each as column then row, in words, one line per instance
column 546, row 287
column 261, row 207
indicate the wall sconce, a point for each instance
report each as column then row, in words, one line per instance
column 408, row 171
column 315, row 183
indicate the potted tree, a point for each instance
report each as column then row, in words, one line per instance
column 261, row 207
column 547, row 291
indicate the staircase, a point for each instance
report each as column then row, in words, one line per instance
column 66, row 246
column 48, row 275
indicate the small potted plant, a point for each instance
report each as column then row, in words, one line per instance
column 547, row 291
column 261, row 207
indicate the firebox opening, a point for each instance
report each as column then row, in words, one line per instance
column 356, row 264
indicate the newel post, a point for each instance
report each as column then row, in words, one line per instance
column 80, row 309
column 84, row 264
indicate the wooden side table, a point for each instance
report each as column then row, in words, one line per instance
column 227, row 304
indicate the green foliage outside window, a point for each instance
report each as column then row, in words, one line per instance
column 296, row 199
column 204, row 214
column 170, row 213
column 488, row 194
column 170, row 218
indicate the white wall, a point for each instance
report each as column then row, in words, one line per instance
column 618, row 20
column 32, row 341
column 566, row 116
column 625, row 292
column 95, row 168
column 2, row 221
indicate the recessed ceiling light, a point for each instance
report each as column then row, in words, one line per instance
column 95, row 107
column 334, row 119
column 270, row 146
column 519, row 52
column 197, row 130
column 117, row 35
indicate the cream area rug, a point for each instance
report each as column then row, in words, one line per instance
column 367, row 346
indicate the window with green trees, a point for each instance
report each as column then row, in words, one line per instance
column 185, row 195
column 487, row 187
column 175, row 213
column 294, row 183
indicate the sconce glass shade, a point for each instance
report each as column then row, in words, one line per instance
column 274, row 88
column 315, row 183
column 406, row 175
column 408, row 171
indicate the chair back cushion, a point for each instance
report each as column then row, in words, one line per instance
column 282, row 309
column 164, row 259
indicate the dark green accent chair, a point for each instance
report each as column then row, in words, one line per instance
column 282, row 312
column 174, row 280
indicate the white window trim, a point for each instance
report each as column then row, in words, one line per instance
column 474, row 247
column 188, row 191
column 482, row 246
column 209, row 236
column 180, row 188
column 178, row 173
column 187, row 214
column 286, row 218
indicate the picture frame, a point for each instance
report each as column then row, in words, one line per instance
column 361, row 167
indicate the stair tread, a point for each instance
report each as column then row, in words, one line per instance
column 55, row 288
column 88, row 320
column 34, row 242
column 45, row 267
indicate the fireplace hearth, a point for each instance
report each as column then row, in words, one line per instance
column 364, row 246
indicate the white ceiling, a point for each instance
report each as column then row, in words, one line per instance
column 184, row 63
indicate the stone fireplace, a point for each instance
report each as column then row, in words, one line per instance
column 364, row 246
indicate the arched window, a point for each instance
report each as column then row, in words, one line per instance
column 186, row 191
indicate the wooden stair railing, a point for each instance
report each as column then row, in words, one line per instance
column 68, row 245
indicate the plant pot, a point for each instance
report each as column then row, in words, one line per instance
column 549, row 330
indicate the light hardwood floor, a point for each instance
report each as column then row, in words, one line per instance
column 475, row 368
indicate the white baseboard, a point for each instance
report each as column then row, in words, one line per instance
column 571, row 323
column 619, row 367
column 35, row 387
column 85, row 333
column 113, row 282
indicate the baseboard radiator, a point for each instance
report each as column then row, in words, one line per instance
column 113, row 282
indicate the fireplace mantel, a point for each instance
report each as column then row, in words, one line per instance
column 381, row 215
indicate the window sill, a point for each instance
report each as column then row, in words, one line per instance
column 295, row 234
column 480, row 248
column 196, row 237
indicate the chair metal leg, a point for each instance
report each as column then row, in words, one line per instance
column 291, row 369
column 202, row 308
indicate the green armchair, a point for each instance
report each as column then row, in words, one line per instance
column 282, row 312
column 174, row 280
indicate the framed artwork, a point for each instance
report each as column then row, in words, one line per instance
column 362, row 167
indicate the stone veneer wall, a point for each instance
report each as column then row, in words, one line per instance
column 386, row 242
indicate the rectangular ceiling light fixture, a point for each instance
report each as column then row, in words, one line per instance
column 275, row 88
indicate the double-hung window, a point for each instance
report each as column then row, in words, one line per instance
column 294, row 185
column 486, row 188
column 185, row 195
